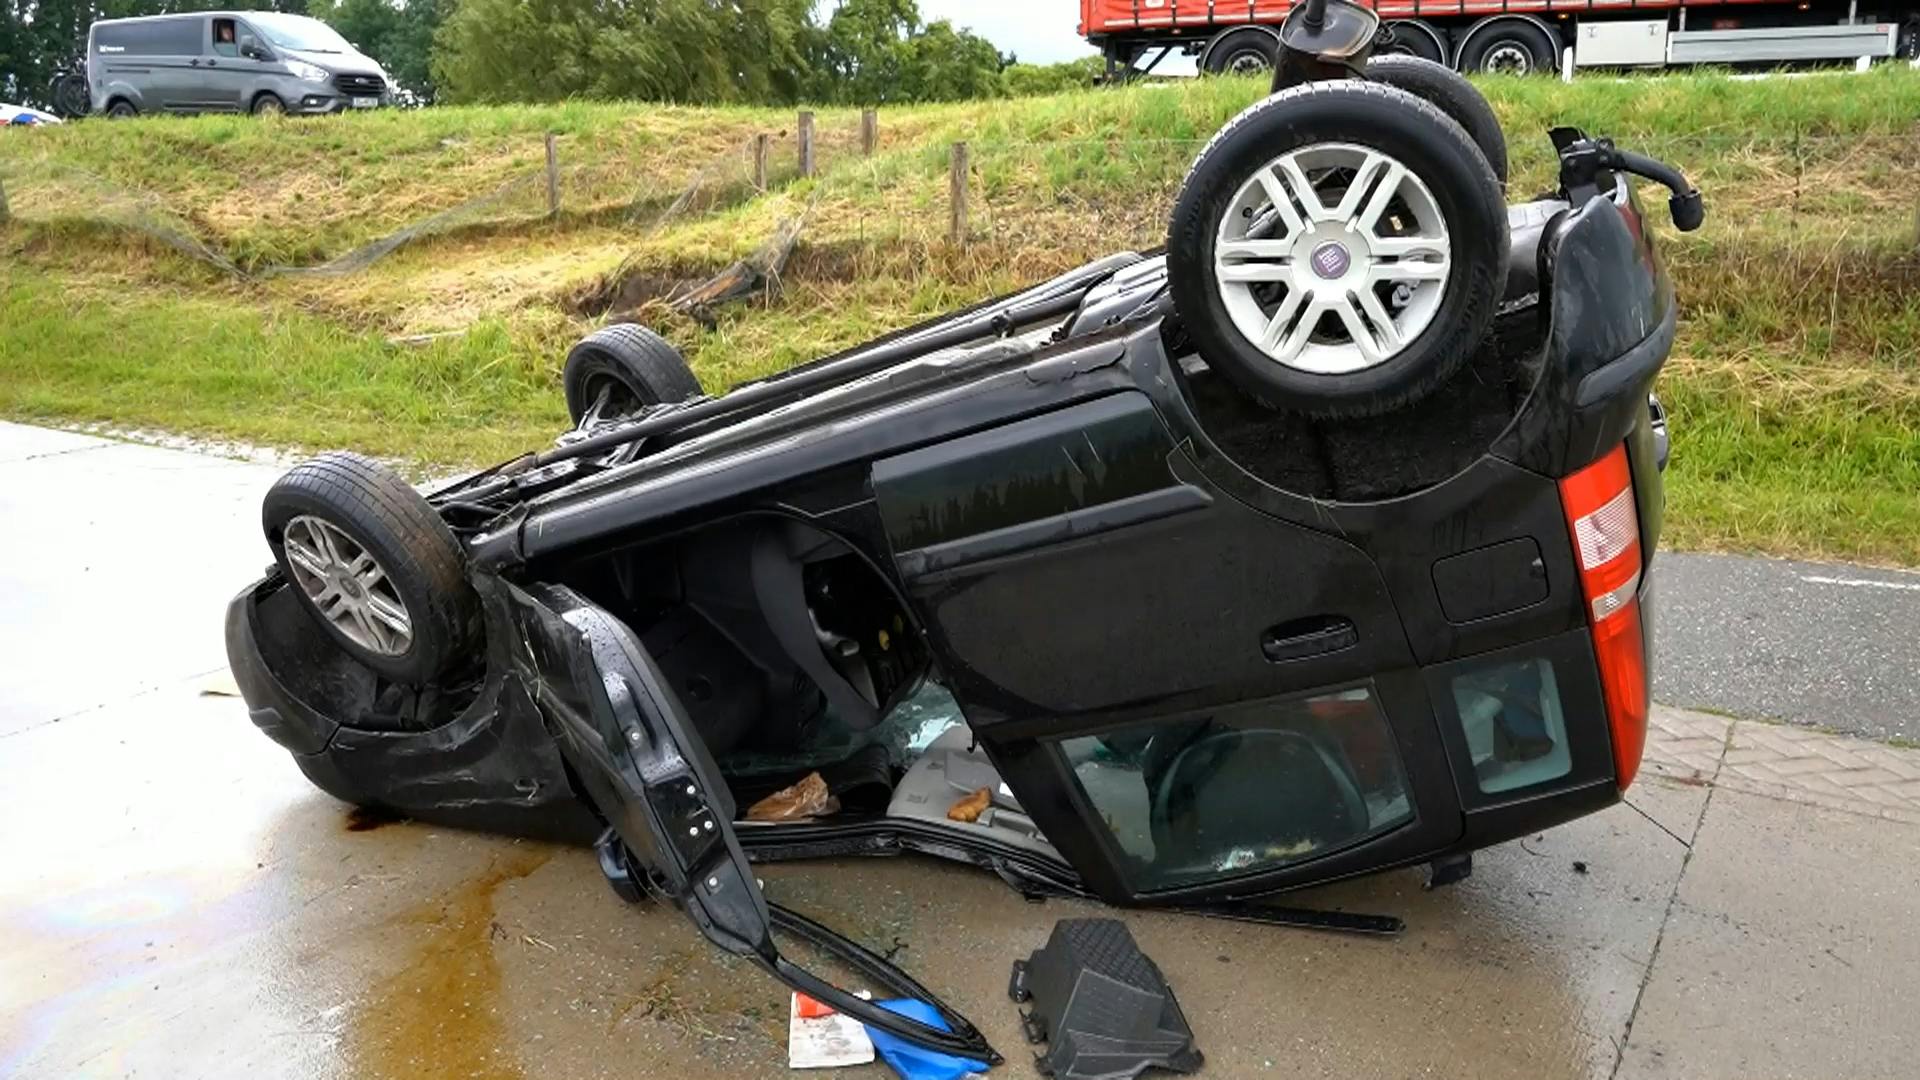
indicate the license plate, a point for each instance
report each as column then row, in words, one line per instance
column 365, row 102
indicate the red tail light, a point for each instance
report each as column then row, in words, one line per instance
column 1605, row 529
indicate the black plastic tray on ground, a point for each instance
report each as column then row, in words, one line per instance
column 1102, row 1005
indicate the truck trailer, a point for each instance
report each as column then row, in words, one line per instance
column 1518, row 36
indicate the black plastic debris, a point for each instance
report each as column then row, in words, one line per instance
column 1102, row 1005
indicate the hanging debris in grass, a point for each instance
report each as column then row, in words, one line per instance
column 756, row 274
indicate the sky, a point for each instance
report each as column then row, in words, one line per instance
column 1037, row 31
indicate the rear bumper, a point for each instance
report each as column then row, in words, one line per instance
column 490, row 766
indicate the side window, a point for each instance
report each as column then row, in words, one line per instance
column 1251, row 787
column 118, row 41
column 176, row 37
column 226, row 38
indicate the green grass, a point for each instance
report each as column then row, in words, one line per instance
column 1795, row 385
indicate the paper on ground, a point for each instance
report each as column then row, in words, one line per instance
column 826, row 1042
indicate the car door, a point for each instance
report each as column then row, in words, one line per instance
column 633, row 748
column 1190, row 697
column 225, row 74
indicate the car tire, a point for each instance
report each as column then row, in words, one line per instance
column 121, row 110
column 1243, row 52
column 408, row 612
column 268, row 105
column 1508, row 47
column 1263, row 321
column 1450, row 91
column 635, row 366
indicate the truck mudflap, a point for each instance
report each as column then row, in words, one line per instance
column 631, row 745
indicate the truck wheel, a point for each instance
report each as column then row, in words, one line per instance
column 375, row 565
column 1452, row 94
column 121, row 109
column 1412, row 37
column 619, row 370
column 1246, row 51
column 1338, row 249
column 1508, row 47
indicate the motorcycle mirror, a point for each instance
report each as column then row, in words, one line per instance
column 1324, row 39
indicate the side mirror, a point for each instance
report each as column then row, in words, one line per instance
column 250, row 48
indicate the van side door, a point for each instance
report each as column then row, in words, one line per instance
column 228, row 77
column 174, row 51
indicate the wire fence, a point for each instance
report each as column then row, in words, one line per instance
column 1068, row 198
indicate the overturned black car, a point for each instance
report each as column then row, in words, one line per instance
column 1316, row 545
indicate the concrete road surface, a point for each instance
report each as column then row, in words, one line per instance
column 176, row 901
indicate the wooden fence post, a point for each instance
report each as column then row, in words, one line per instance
column 760, row 161
column 5, row 213
column 806, row 144
column 869, row 132
column 553, row 178
column 957, row 195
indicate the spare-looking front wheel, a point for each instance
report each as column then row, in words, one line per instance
column 374, row 564
column 1338, row 249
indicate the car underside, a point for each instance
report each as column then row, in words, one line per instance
column 1034, row 586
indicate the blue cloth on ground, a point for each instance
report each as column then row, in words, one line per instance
column 917, row 1062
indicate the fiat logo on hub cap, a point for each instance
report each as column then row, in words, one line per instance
column 1330, row 260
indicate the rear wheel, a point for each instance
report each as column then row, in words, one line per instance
column 1243, row 52
column 1452, row 94
column 619, row 370
column 122, row 110
column 1412, row 38
column 1338, row 249
column 1508, row 47
column 374, row 564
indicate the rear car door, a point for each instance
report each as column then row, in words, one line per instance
column 1193, row 699
column 631, row 745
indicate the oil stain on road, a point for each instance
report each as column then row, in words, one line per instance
column 439, row 1015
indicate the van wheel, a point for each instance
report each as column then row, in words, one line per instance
column 269, row 105
column 121, row 110
column 1452, row 94
column 375, row 566
column 1338, row 249
column 619, row 370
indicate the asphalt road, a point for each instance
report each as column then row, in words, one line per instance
column 1824, row 644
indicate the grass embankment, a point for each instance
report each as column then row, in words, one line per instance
column 1795, row 386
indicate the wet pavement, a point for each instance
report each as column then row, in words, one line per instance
column 177, row 901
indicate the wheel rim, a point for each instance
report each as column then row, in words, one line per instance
column 269, row 106
column 1332, row 288
column 1247, row 62
column 608, row 398
column 347, row 585
column 1507, row 58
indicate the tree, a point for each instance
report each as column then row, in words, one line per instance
column 659, row 50
column 876, row 52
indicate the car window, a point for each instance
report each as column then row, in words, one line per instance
column 226, row 37
column 1248, row 788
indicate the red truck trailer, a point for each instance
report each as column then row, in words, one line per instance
column 1519, row 36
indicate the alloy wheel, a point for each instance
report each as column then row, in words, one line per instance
column 347, row 585
column 1332, row 258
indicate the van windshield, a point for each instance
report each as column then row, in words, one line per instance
column 299, row 33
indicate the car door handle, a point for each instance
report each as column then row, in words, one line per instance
column 1315, row 635
column 213, row 63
